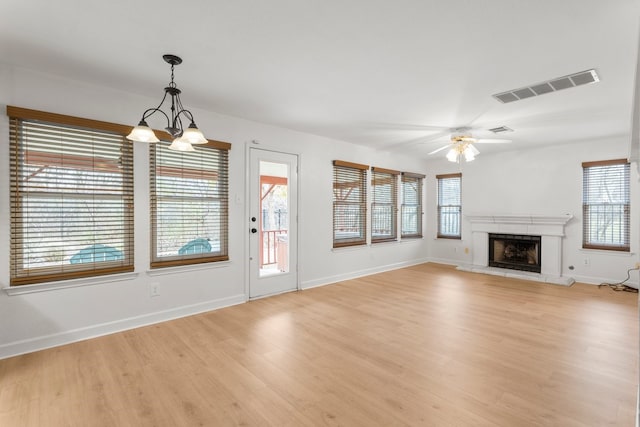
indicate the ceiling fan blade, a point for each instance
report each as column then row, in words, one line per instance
column 432, row 137
column 492, row 141
column 416, row 141
column 473, row 149
column 438, row 150
column 404, row 126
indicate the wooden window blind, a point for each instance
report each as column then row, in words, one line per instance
column 189, row 204
column 449, row 205
column 384, row 204
column 349, row 204
column 411, row 209
column 71, row 197
column 605, row 205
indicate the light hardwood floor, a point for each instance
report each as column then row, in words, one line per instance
column 424, row 345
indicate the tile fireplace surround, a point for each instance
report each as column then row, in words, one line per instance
column 549, row 227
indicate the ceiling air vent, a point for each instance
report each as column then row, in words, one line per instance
column 501, row 129
column 553, row 85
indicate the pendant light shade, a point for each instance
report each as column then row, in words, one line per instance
column 452, row 155
column 193, row 135
column 179, row 144
column 143, row 133
column 470, row 152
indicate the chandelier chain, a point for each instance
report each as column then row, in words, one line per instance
column 172, row 84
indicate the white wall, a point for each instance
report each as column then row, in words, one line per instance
column 41, row 319
column 547, row 180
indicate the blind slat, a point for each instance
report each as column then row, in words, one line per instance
column 449, row 205
column 71, row 199
column 384, row 194
column 349, row 204
column 411, row 208
column 189, row 205
column 606, row 205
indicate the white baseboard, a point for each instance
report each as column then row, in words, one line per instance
column 355, row 274
column 53, row 340
column 447, row 261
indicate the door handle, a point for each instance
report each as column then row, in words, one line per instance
column 254, row 230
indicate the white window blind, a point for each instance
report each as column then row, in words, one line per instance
column 411, row 208
column 605, row 205
column 349, row 203
column 384, row 204
column 189, row 204
column 71, row 197
column 449, row 205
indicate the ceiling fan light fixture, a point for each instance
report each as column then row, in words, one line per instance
column 469, row 154
column 462, row 146
column 452, row 155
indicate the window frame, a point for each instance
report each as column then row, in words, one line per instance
column 75, row 126
column 222, row 196
column 440, row 180
column 391, row 175
column 360, row 172
column 625, row 246
column 418, row 179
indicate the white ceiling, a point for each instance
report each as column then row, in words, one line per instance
column 375, row 72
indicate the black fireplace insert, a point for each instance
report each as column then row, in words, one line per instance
column 515, row 251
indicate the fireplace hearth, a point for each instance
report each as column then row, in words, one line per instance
column 515, row 252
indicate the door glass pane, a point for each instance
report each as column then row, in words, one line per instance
column 274, row 218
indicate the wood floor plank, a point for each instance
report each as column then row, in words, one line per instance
column 424, row 345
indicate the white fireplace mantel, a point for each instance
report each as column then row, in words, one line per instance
column 539, row 225
column 549, row 227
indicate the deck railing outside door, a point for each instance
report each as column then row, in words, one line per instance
column 270, row 246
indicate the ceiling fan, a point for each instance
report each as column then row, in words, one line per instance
column 461, row 145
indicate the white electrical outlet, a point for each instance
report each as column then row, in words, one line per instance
column 154, row 289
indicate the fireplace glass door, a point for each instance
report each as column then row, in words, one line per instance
column 516, row 252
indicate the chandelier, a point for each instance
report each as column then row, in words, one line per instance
column 462, row 146
column 183, row 138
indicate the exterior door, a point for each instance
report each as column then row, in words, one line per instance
column 272, row 222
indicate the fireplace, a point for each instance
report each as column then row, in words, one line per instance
column 515, row 251
column 550, row 228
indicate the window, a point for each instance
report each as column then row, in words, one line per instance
column 189, row 204
column 449, row 205
column 349, row 204
column 384, row 210
column 605, row 205
column 71, row 197
column 411, row 209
